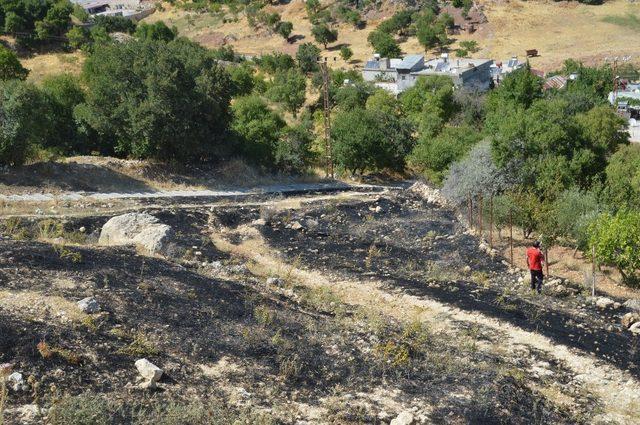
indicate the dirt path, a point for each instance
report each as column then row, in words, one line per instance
column 597, row 362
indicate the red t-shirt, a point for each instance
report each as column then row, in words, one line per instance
column 535, row 258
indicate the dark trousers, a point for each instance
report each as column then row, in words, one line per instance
column 536, row 280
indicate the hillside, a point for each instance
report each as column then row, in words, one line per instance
column 559, row 30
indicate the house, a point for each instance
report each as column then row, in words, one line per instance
column 501, row 69
column 130, row 9
column 398, row 75
column 95, row 7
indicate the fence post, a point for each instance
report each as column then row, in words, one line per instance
column 511, row 233
column 546, row 260
column 593, row 271
column 491, row 221
column 480, row 214
column 470, row 211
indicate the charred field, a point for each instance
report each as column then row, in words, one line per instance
column 265, row 313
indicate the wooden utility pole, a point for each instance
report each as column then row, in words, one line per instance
column 327, row 119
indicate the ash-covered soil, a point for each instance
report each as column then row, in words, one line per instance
column 425, row 251
column 236, row 346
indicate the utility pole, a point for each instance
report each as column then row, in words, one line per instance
column 327, row 119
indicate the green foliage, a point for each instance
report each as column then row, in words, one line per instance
column 429, row 103
column 616, row 239
column 224, row 53
column 346, row 53
column 293, row 151
column 56, row 22
column 150, row 99
column 10, row 66
column 78, row 37
column 435, row 154
column 432, row 31
column 383, row 101
column 353, row 95
column 370, row 140
column 622, row 187
column 242, row 79
column 469, row 45
column 22, row 107
column 399, row 22
column 81, row 14
column 324, row 35
column 570, row 215
column 307, row 57
column 41, row 19
column 157, row 31
column 275, row 62
column 62, row 94
column 114, row 24
column 284, row 29
column 289, row 89
column 258, row 127
column 384, row 44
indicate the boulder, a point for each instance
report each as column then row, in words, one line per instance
column 150, row 372
column 16, row 382
column 629, row 319
column 296, row 225
column 404, row 418
column 604, row 302
column 635, row 328
column 140, row 229
column 89, row 305
column 633, row 305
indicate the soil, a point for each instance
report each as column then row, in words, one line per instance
column 383, row 303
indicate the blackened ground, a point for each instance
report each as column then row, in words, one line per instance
column 187, row 318
column 422, row 249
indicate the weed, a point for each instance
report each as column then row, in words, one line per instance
column 324, row 299
column 14, row 227
column 373, row 252
column 80, row 410
column 480, row 278
column 291, row 367
column 140, row 346
column 50, row 229
column 65, row 253
column 264, row 315
column 47, row 352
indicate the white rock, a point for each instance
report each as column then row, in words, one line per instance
column 259, row 222
column 274, row 281
column 404, row 418
column 89, row 305
column 139, row 229
column 82, row 229
column 629, row 319
column 296, row 225
column 150, row 372
column 16, row 382
column 633, row 305
column 635, row 328
column 604, row 302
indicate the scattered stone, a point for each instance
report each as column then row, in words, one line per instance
column 259, row 222
column 16, row 382
column 28, row 413
column 633, row 304
column 139, row 229
column 604, row 303
column 150, row 372
column 635, row 328
column 467, row 269
column 89, row 305
column 275, row 281
column 82, row 229
column 629, row 319
column 296, row 225
column 404, row 418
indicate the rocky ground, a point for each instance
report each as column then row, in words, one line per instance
column 351, row 307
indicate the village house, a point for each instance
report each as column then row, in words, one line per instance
column 398, row 75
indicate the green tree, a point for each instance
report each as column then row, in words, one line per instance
column 242, row 79
column 434, row 155
column 157, row 31
column 10, row 66
column 383, row 101
column 22, row 126
column 63, row 93
column 367, row 140
column 293, row 151
column 258, row 128
column 346, row 53
column 284, row 29
column 78, row 37
column 289, row 89
column 307, row 56
column 153, row 99
column 616, row 239
column 384, row 44
column 56, row 22
column 324, row 35
column 622, row 186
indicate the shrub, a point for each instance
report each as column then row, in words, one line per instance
column 346, row 53
column 307, row 57
column 293, row 154
column 10, row 66
column 623, row 177
column 474, row 175
column 370, row 140
column 289, row 89
column 616, row 239
column 324, row 35
column 80, row 410
column 158, row 31
column 384, row 44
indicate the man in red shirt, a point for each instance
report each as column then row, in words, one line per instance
column 535, row 259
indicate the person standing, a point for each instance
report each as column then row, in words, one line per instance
column 535, row 259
